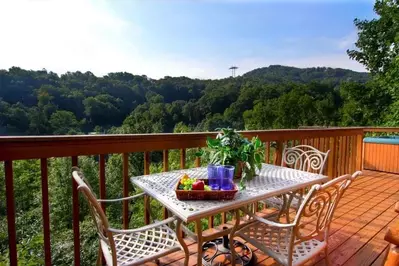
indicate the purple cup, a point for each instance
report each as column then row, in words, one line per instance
column 213, row 176
column 227, row 174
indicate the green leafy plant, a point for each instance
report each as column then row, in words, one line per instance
column 231, row 148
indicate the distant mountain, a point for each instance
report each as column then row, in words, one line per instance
column 278, row 74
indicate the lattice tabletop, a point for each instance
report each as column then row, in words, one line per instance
column 271, row 181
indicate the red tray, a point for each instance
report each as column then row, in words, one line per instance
column 204, row 194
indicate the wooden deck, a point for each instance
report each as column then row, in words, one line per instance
column 357, row 232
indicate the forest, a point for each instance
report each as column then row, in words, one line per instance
column 42, row 102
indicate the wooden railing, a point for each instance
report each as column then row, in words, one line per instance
column 345, row 145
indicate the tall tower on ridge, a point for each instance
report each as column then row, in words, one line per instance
column 233, row 71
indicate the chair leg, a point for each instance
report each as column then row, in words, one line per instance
column 232, row 232
column 186, row 258
column 183, row 244
column 326, row 258
column 99, row 255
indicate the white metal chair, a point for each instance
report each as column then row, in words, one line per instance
column 297, row 242
column 133, row 246
column 304, row 158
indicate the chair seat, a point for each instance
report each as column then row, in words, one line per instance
column 277, row 202
column 135, row 248
column 275, row 242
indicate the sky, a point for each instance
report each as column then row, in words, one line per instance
column 194, row 38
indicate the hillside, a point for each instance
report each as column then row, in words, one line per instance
column 278, row 73
column 42, row 102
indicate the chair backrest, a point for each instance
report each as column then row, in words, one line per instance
column 317, row 209
column 305, row 158
column 97, row 214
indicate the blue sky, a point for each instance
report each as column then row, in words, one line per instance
column 170, row 37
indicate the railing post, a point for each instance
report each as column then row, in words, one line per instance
column 10, row 201
column 359, row 152
column 45, row 211
column 75, row 217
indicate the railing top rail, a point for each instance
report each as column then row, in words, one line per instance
column 33, row 147
column 381, row 129
column 139, row 136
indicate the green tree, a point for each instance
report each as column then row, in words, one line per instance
column 64, row 122
column 377, row 44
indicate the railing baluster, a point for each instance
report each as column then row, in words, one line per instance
column 12, row 233
column 165, row 160
column 359, row 152
column 125, row 190
column 45, row 211
column 316, row 143
column 101, row 180
column 342, row 150
column 146, row 163
column 267, row 152
column 347, row 152
column 165, row 163
column 224, row 217
column 352, row 153
column 197, row 162
column 321, row 145
column 75, row 217
column 332, row 158
column 182, row 158
column 146, row 198
column 211, row 221
column 278, row 153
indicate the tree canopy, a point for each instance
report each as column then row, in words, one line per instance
column 378, row 50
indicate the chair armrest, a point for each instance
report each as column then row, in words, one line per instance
column 265, row 221
column 144, row 228
column 122, row 199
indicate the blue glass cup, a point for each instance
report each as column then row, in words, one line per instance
column 213, row 177
column 226, row 174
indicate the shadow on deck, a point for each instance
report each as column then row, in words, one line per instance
column 357, row 231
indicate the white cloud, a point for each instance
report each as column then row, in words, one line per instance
column 62, row 35
column 348, row 42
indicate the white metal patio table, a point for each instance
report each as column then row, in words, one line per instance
column 271, row 181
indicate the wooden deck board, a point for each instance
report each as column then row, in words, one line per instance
column 358, row 228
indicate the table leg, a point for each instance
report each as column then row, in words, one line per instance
column 198, row 227
column 233, row 230
column 179, row 233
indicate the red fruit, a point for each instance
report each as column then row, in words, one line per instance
column 198, row 185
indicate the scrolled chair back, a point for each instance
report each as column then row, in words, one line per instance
column 305, row 158
column 314, row 216
column 97, row 214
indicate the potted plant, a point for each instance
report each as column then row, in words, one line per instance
column 231, row 148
